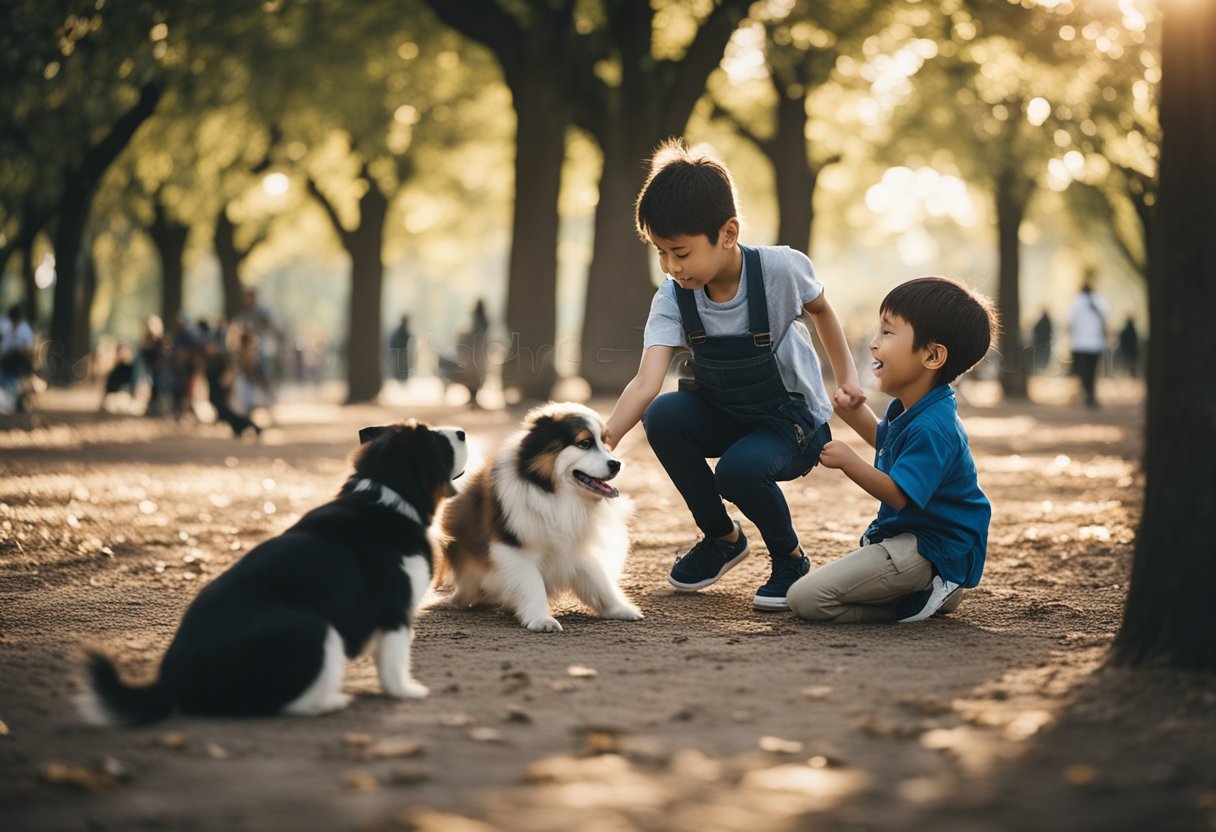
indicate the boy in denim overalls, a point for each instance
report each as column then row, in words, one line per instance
column 757, row 399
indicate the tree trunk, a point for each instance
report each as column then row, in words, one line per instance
column 1170, row 617
column 75, row 200
column 619, row 288
column 63, row 352
column 169, row 238
column 28, row 282
column 230, row 258
column 540, row 146
column 1011, row 202
column 795, row 179
column 364, row 346
column 84, row 315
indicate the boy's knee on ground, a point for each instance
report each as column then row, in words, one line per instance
column 811, row 599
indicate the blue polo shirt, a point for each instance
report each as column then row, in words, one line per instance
column 925, row 451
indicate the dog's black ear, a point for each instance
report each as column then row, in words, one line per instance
column 369, row 433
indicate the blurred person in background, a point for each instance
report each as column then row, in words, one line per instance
column 17, row 359
column 1128, row 351
column 1087, row 327
column 400, row 358
column 1042, row 339
column 154, row 364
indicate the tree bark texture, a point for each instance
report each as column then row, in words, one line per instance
column 1011, row 199
column 795, row 178
column 84, row 315
column 169, row 239
column 1170, row 617
column 532, row 297
column 230, row 257
column 365, row 246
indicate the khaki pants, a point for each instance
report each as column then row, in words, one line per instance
column 864, row 584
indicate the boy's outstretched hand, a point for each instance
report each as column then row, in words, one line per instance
column 837, row 454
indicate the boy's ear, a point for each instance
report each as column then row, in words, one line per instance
column 935, row 356
column 728, row 234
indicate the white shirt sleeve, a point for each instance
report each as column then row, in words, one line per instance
column 663, row 327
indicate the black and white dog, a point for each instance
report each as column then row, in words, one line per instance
column 273, row 633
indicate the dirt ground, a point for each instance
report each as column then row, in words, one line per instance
column 706, row 715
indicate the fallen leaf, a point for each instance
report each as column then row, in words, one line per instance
column 817, row 693
column 424, row 819
column 360, row 781
column 776, row 745
column 578, row 671
column 4, row 731
column 486, row 734
column 173, row 739
column 602, row 740
column 215, row 752
column 1080, row 775
column 93, row 779
column 457, row 720
column 391, row 749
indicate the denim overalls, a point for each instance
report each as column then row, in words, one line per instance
column 736, row 408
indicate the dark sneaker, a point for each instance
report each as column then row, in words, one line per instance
column 706, row 562
column 939, row 597
column 786, row 570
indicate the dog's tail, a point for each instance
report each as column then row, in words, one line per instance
column 108, row 700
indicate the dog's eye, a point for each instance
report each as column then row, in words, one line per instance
column 585, row 444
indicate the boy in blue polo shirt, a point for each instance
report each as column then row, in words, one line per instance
column 931, row 533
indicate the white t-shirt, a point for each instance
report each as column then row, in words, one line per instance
column 789, row 284
column 1087, row 322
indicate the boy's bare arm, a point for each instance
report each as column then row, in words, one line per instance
column 878, row 485
column 860, row 418
column 844, row 369
column 638, row 393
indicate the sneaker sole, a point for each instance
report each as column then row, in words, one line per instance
column 935, row 602
column 726, row 567
column 767, row 604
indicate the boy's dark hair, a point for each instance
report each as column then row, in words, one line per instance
column 944, row 312
column 686, row 193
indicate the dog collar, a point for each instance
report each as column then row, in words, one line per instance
column 388, row 498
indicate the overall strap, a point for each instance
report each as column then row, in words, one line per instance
column 757, row 300
column 690, row 318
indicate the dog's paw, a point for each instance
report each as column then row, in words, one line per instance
column 408, row 690
column 336, row 702
column 625, row 612
column 545, row 624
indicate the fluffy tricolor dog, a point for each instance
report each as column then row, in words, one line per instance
column 273, row 633
column 541, row 519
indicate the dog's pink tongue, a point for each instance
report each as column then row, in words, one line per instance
column 606, row 489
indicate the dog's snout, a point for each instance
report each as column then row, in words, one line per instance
column 614, row 465
column 459, row 436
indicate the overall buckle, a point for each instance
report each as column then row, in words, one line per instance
column 697, row 337
column 762, row 339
